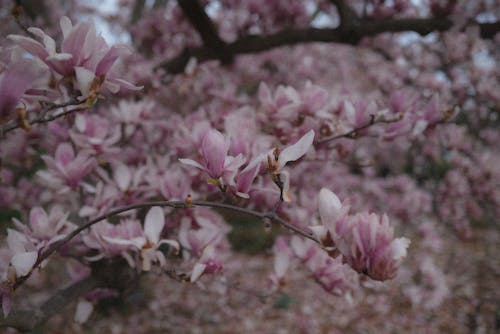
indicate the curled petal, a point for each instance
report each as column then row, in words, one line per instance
column 297, row 150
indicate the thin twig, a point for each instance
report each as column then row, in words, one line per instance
column 352, row 134
column 173, row 204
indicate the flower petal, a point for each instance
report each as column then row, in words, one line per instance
column 23, row 262
column 297, row 150
column 153, row 224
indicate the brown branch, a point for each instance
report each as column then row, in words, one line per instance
column 27, row 320
column 352, row 134
column 258, row 43
column 43, row 117
column 488, row 30
column 348, row 16
column 199, row 19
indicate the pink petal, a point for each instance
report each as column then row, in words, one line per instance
column 64, row 154
column 30, row 45
column 38, row 220
column 15, row 81
column 109, row 59
column 214, row 148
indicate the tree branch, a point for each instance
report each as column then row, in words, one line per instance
column 259, row 43
column 199, row 19
column 43, row 117
column 27, row 320
column 348, row 16
column 173, row 204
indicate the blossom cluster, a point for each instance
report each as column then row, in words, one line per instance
column 105, row 161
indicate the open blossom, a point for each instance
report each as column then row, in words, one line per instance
column 208, row 263
column 84, row 55
column 333, row 275
column 66, row 170
column 366, row 241
column 215, row 161
column 23, row 254
column 149, row 241
column 95, row 134
column 46, row 229
column 100, row 233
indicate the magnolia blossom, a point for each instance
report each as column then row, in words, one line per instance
column 335, row 276
column 366, row 241
column 44, row 228
column 208, row 263
column 66, row 170
column 14, row 82
column 95, row 134
column 84, row 55
column 23, row 254
column 216, row 163
column 149, row 241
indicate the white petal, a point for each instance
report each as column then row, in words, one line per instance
column 84, row 309
column 23, row 262
column 122, row 176
column 399, row 247
column 329, row 206
column 198, row 270
column 295, row 151
column 135, row 242
column 66, row 25
column 16, row 241
column 193, row 163
column 319, row 231
column 153, row 224
column 84, row 79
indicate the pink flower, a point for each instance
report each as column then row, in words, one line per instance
column 216, row 162
column 84, row 55
column 95, row 134
column 276, row 161
column 23, row 253
column 14, row 82
column 66, row 168
column 46, row 228
column 207, row 264
column 149, row 241
column 99, row 236
column 373, row 250
column 366, row 241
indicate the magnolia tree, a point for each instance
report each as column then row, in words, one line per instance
column 136, row 136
